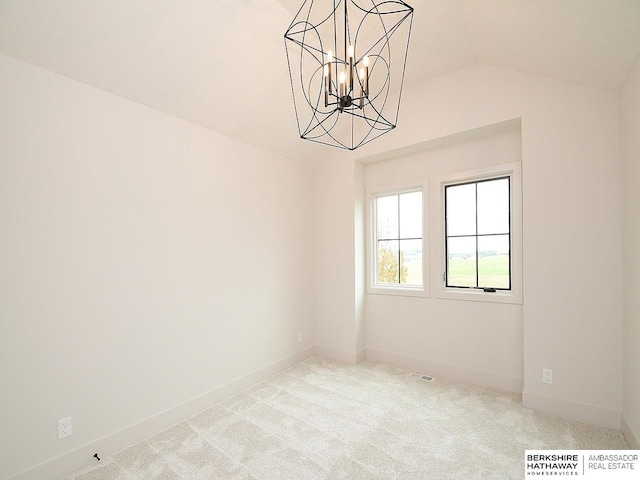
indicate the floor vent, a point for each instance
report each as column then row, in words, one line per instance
column 426, row 378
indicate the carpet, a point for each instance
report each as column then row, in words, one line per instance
column 321, row 420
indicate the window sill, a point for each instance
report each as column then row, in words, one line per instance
column 478, row 295
column 402, row 291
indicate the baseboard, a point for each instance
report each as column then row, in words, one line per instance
column 631, row 439
column 455, row 372
column 573, row 410
column 340, row 355
column 80, row 457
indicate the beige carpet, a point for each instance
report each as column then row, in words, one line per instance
column 323, row 420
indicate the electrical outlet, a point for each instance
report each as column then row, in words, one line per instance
column 299, row 338
column 547, row 376
column 65, row 428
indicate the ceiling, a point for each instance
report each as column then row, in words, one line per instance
column 221, row 63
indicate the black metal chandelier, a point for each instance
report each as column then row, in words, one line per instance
column 346, row 62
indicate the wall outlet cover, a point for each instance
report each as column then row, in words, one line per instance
column 65, row 428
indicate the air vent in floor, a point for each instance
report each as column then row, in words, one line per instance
column 426, row 378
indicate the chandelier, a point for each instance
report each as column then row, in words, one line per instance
column 346, row 62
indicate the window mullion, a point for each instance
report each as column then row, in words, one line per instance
column 446, row 241
column 477, row 262
column 399, row 266
column 509, row 200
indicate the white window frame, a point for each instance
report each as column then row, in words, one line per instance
column 371, row 264
column 515, row 295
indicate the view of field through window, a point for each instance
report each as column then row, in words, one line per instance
column 478, row 234
column 399, row 239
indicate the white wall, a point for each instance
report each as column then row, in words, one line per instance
column 572, row 266
column 359, row 260
column 472, row 341
column 630, row 123
column 144, row 262
column 339, row 245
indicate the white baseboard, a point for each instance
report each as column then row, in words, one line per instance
column 455, row 372
column 573, row 410
column 340, row 355
column 82, row 456
column 632, row 440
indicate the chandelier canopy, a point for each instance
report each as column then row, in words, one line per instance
column 346, row 62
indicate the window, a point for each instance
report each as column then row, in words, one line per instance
column 478, row 237
column 397, row 257
column 399, row 239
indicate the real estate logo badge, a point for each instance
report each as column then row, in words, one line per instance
column 588, row 464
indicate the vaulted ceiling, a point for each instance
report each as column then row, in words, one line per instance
column 221, row 63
